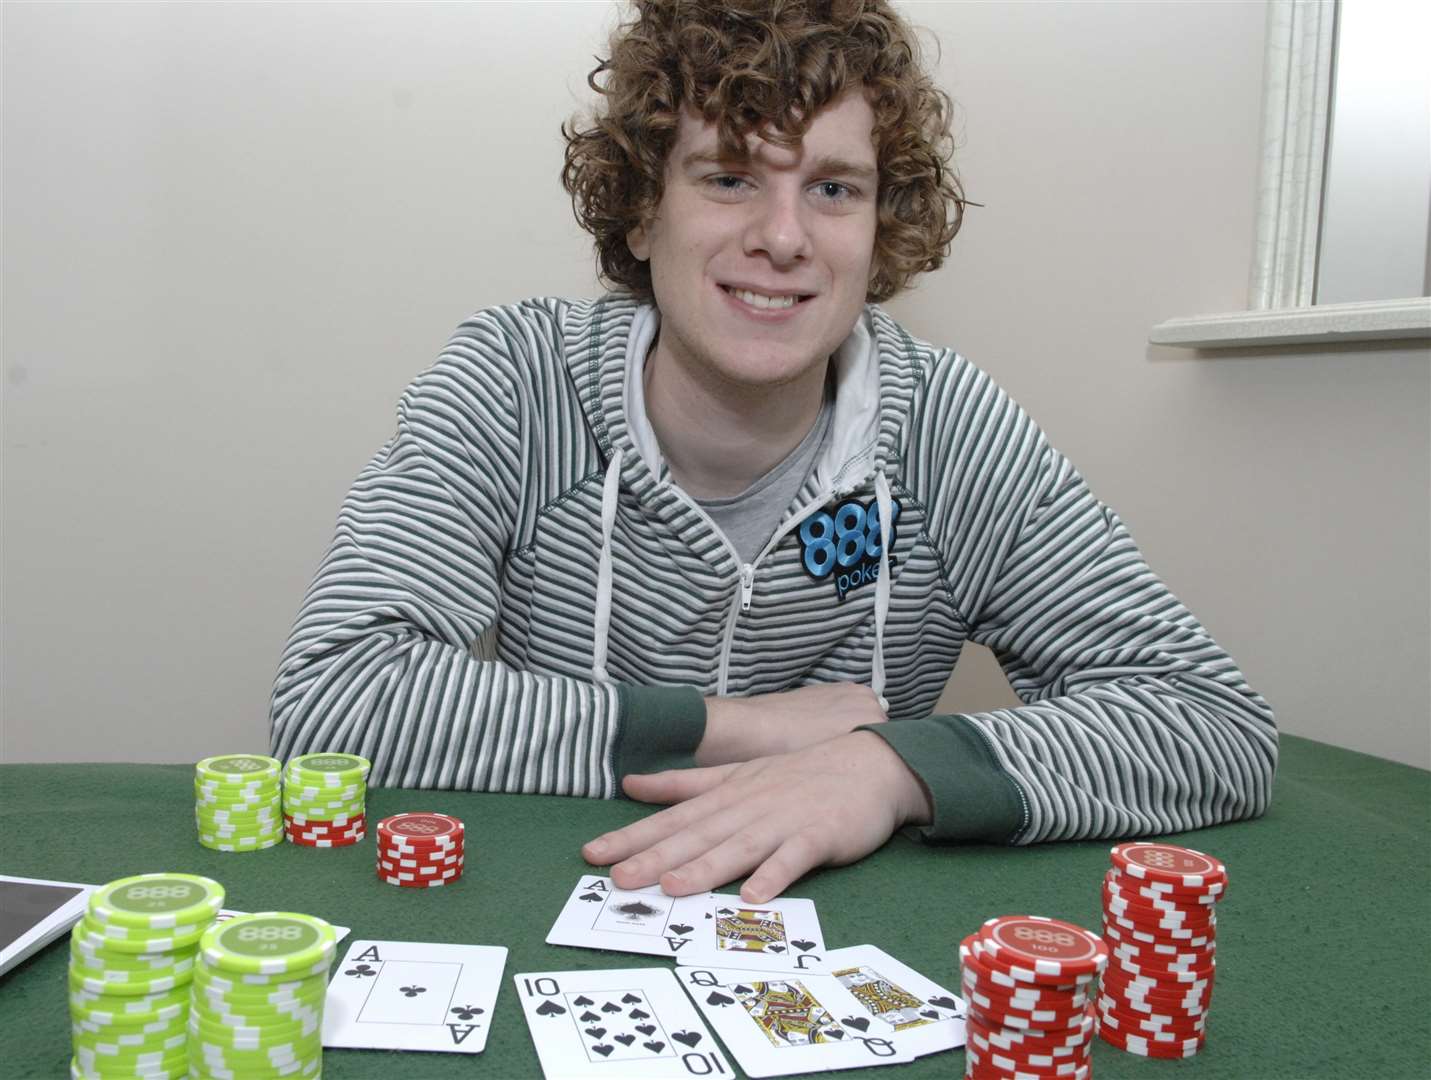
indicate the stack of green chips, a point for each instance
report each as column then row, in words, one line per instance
column 325, row 799
column 238, row 802
column 257, row 1007
column 132, row 958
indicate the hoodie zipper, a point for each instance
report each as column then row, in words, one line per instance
column 741, row 600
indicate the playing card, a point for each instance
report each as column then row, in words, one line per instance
column 616, row 1024
column 598, row 915
column 782, row 1023
column 782, row 935
column 402, row 995
column 926, row 1017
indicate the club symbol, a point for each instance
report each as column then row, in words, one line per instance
column 467, row 1012
column 413, row 991
column 360, row 971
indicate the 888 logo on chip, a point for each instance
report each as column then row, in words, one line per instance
column 844, row 545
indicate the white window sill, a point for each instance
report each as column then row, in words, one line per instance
column 1380, row 320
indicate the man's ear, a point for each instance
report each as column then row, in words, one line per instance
column 638, row 240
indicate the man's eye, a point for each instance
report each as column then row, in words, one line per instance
column 726, row 183
column 834, row 190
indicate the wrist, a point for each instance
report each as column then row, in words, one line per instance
column 910, row 798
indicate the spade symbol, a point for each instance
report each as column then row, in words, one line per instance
column 802, row 945
column 777, row 948
column 681, row 929
column 655, row 1046
column 583, row 1000
column 931, row 1013
column 743, row 989
column 717, row 998
column 603, row 1049
column 549, row 1008
column 588, row 1016
column 646, row 1029
column 944, row 1002
column 626, row 1040
column 686, row 1038
column 591, row 897
column 836, row 1033
column 610, row 1007
column 724, row 911
column 857, row 1022
column 637, row 1014
column 596, row 1032
column 631, row 999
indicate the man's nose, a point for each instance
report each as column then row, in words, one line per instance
column 779, row 226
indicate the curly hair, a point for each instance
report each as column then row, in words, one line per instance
column 766, row 66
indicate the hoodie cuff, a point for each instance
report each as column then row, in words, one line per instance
column 657, row 728
column 973, row 797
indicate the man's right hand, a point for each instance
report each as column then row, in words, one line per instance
column 741, row 729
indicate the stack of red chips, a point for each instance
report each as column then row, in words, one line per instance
column 1027, row 982
column 1160, row 926
column 420, row 850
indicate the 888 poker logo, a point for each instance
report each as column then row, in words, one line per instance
column 844, row 546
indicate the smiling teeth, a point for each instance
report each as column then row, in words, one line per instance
column 759, row 300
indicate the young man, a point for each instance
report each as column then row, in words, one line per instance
column 731, row 524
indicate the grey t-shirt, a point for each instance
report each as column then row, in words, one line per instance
column 749, row 518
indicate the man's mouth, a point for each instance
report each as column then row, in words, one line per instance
column 766, row 301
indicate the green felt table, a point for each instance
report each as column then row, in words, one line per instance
column 1324, row 939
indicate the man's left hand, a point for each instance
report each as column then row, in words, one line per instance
column 779, row 816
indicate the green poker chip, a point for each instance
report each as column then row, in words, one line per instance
column 270, row 943
column 127, row 939
column 243, row 1004
column 89, row 950
column 214, row 843
column 242, row 769
column 104, row 982
column 157, row 901
column 327, row 769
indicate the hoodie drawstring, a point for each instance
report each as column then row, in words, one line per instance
column 881, row 589
column 601, row 623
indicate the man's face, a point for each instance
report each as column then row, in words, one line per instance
column 788, row 224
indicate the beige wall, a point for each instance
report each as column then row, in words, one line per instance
column 233, row 233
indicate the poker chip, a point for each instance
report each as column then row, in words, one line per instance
column 1028, row 982
column 258, row 995
column 238, row 803
column 133, row 958
column 324, row 800
column 422, row 849
column 1160, row 921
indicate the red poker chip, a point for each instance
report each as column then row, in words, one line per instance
column 423, row 855
column 979, row 1065
column 979, row 958
column 419, row 884
column 1173, row 954
column 302, row 842
column 1178, row 981
column 1159, row 917
column 1205, row 894
column 1134, row 1045
column 997, row 998
column 421, row 828
column 1039, row 1029
column 1003, row 980
column 1180, row 867
column 980, row 979
column 1036, row 1057
column 1163, row 908
column 1026, row 1042
column 1151, row 944
column 1130, row 1001
column 1139, row 892
column 396, row 841
column 1050, row 948
column 1161, row 1026
column 1161, row 935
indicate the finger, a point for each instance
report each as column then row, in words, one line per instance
column 744, row 849
column 674, row 785
column 622, row 843
column 792, row 860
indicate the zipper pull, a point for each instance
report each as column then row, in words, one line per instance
column 747, row 585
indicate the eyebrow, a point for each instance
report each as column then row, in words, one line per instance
column 829, row 164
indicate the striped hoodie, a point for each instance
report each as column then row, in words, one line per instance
column 519, row 598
